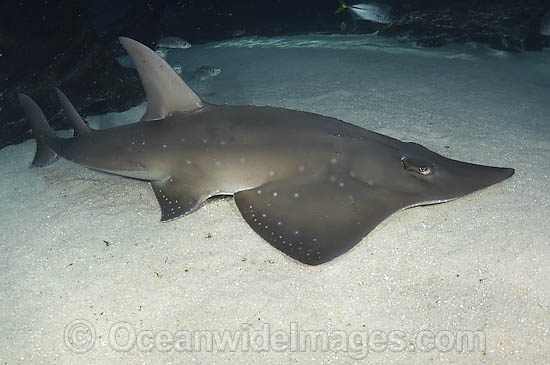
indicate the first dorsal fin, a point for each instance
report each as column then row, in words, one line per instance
column 166, row 91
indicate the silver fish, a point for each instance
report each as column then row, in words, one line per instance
column 371, row 11
column 173, row 42
column 162, row 52
column 178, row 68
column 204, row 73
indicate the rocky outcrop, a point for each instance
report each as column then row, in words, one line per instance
column 511, row 26
column 48, row 44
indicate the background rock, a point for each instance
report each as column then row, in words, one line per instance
column 48, row 44
column 72, row 44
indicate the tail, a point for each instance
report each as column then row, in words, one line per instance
column 46, row 140
column 342, row 7
column 42, row 131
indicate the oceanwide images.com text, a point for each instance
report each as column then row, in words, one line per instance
column 80, row 336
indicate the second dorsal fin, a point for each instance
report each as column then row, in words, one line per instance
column 166, row 91
column 80, row 127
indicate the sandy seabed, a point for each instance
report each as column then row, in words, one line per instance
column 90, row 275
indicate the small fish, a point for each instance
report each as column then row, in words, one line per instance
column 372, row 11
column 204, row 73
column 173, row 42
column 238, row 32
column 178, row 68
column 162, row 52
column 545, row 24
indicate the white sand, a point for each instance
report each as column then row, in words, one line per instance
column 479, row 263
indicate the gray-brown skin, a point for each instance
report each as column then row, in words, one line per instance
column 312, row 186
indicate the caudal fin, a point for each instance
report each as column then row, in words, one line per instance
column 41, row 130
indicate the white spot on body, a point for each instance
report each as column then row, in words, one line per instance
column 164, row 146
column 333, row 160
column 218, row 163
column 259, row 191
column 333, row 178
column 301, row 168
column 275, row 194
column 296, row 195
column 188, row 162
column 204, row 140
column 341, row 184
column 271, row 173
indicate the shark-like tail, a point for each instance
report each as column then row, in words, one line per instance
column 46, row 140
column 41, row 130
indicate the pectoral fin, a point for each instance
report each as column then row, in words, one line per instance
column 314, row 219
